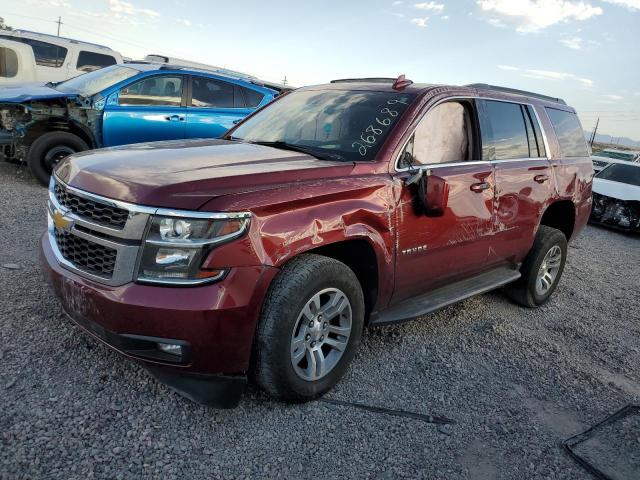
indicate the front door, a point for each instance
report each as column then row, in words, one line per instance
column 433, row 251
column 148, row 110
column 214, row 107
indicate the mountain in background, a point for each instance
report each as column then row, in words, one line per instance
column 608, row 139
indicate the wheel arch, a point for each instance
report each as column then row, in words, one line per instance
column 560, row 215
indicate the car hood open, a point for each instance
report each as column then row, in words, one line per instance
column 185, row 174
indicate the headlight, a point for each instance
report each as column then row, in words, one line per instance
column 177, row 244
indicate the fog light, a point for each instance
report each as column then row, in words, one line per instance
column 170, row 348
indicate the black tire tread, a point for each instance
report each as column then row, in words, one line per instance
column 45, row 142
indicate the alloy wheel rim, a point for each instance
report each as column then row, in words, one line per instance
column 55, row 154
column 548, row 271
column 321, row 334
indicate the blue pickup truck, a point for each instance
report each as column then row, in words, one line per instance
column 123, row 104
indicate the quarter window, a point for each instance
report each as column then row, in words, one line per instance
column 252, row 97
column 508, row 130
column 209, row 93
column 90, row 61
column 152, row 91
column 8, row 63
column 569, row 133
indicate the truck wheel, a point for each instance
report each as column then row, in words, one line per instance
column 541, row 269
column 47, row 151
column 309, row 329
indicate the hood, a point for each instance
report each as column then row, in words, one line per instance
column 186, row 174
column 621, row 191
column 27, row 92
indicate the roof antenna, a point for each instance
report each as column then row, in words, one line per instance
column 401, row 82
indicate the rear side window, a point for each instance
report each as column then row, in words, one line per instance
column 210, row 93
column 46, row 54
column 569, row 133
column 153, row 91
column 8, row 63
column 508, row 130
column 90, row 61
column 252, row 97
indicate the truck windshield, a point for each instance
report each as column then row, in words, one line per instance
column 337, row 124
column 94, row 82
column 618, row 172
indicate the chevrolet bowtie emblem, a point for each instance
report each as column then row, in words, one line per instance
column 60, row 221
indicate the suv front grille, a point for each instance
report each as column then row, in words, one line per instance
column 91, row 210
column 85, row 255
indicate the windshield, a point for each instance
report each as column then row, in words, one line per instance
column 94, row 82
column 345, row 125
column 618, row 172
column 616, row 155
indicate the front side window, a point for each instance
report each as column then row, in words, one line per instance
column 619, row 172
column 252, row 97
column 153, row 91
column 338, row 124
column 210, row 93
column 508, row 130
column 46, row 54
column 8, row 63
column 90, row 61
column 569, row 132
column 444, row 135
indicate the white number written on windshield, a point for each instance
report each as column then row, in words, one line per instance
column 371, row 134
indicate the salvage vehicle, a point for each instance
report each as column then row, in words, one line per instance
column 265, row 253
column 603, row 158
column 121, row 104
column 616, row 196
column 59, row 58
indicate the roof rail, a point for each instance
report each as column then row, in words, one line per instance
column 368, row 80
column 485, row 86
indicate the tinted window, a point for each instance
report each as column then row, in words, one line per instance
column 337, row 124
column 8, row 63
column 252, row 97
column 569, row 133
column 509, row 133
column 90, row 61
column 158, row 90
column 619, row 172
column 206, row 92
column 538, row 140
column 46, row 54
column 617, row 155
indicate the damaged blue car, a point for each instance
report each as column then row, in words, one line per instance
column 123, row 104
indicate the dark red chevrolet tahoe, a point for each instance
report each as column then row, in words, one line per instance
column 265, row 253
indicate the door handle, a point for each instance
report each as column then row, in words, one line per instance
column 541, row 178
column 175, row 118
column 480, row 187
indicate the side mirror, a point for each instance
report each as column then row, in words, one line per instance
column 433, row 191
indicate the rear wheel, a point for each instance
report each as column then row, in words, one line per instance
column 49, row 149
column 309, row 329
column 541, row 269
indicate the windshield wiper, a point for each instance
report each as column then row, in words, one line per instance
column 303, row 149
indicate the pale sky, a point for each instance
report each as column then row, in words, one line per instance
column 585, row 51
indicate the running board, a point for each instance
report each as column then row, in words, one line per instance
column 443, row 296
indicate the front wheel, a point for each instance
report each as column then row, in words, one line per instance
column 309, row 329
column 49, row 149
column 541, row 269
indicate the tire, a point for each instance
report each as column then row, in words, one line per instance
column 48, row 149
column 301, row 280
column 526, row 291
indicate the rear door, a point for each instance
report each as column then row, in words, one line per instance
column 523, row 176
column 147, row 110
column 433, row 251
column 214, row 106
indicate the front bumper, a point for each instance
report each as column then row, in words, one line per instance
column 216, row 321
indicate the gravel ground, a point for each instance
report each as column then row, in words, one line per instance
column 516, row 382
